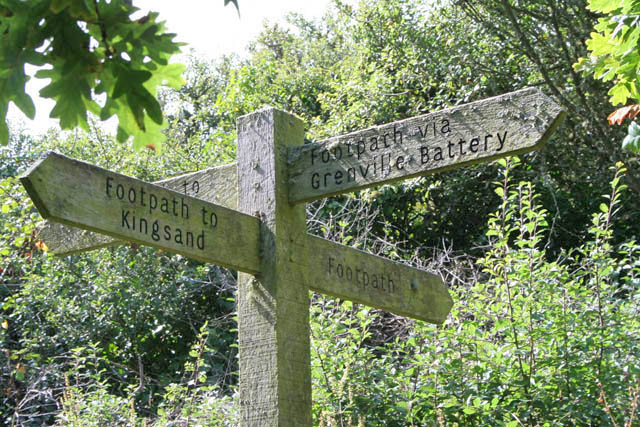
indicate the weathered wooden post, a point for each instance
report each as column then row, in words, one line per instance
column 273, row 306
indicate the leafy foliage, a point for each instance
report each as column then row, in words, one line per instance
column 529, row 341
column 387, row 60
column 186, row 402
column 137, row 307
column 198, row 127
column 97, row 58
column 615, row 53
column 614, row 48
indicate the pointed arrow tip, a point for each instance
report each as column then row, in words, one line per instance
column 31, row 182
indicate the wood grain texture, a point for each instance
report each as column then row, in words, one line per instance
column 509, row 124
column 273, row 308
column 344, row 272
column 63, row 240
column 217, row 185
column 81, row 195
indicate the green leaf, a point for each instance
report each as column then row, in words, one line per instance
column 619, row 94
column 530, row 227
column 4, row 128
column 121, row 135
column 130, row 83
column 494, row 402
column 25, row 104
column 633, row 129
column 403, row 406
column 141, row 138
column 602, row 6
column 79, row 9
column 599, row 44
column 169, row 75
column 451, row 402
column 71, row 91
column 4, row 132
column 58, row 6
column 14, row 81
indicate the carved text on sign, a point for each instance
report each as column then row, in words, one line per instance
column 150, row 204
column 368, row 156
column 509, row 124
column 361, row 278
column 78, row 194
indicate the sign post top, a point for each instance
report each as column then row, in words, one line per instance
column 330, row 268
column 354, row 275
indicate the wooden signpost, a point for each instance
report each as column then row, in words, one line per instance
column 250, row 217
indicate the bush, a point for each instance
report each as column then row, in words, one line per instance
column 86, row 400
column 530, row 341
column 139, row 307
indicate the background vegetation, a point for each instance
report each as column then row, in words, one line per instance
column 540, row 253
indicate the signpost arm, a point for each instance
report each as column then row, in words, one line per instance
column 216, row 185
column 347, row 273
column 489, row 129
column 82, row 195
column 273, row 307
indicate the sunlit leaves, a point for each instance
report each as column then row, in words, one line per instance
column 130, row 83
column 603, row 6
column 91, row 50
column 83, row 9
column 555, row 333
column 4, row 129
column 12, row 62
column 150, row 134
column 71, row 93
column 632, row 141
column 615, row 52
column 618, row 116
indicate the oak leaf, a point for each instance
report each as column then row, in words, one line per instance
column 618, row 116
